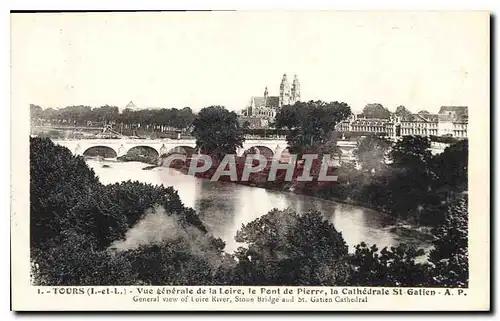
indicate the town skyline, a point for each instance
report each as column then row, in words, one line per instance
column 420, row 61
column 353, row 109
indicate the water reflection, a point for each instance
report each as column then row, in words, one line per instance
column 216, row 206
column 224, row 207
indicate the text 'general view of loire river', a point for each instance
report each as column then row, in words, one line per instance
column 224, row 207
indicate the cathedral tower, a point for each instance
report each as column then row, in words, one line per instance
column 284, row 92
column 295, row 90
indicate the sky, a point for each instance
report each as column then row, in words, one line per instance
column 420, row 60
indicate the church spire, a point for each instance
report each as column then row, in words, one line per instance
column 284, row 92
column 295, row 90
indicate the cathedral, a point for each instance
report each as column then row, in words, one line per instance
column 265, row 107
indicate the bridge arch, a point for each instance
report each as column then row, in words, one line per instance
column 143, row 150
column 262, row 150
column 185, row 150
column 102, row 151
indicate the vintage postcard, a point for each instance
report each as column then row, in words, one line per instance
column 258, row 161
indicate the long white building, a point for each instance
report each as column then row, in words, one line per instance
column 451, row 121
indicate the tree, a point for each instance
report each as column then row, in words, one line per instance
column 76, row 115
column 376, row 111
column 286, row 248
column 74, row 219
column 36, row 112
column 152, row 119
column 49, row 114
column 371, row 153
column 217, row 131
column 186, row 117
column 451, row 167
column 423, row 112
column 106, row 114
column 450, row 255
column 185, row 259
column 411, row 151
column 410, row 186
column 401, row 111
column 349, row 182
column 58, row 181
column 395, row 266
column 310, row 123
column 75, row 261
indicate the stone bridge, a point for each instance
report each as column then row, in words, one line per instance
column 119, row 147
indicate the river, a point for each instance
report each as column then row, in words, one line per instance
column 224, row 207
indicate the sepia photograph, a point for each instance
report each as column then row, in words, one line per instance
column 267, row 158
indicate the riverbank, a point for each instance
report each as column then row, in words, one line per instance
column 153, row 161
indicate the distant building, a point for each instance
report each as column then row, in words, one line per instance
column 130, row 106
column 254, row 122
column 450, row 121
column 416, row 124
column 358, row 123
column 261, row 110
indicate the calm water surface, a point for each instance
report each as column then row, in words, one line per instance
column 224, row 207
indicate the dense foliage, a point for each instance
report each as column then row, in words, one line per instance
column 396, row 266
column 86, row 233
column 401, row 111
column 450, row 255
column 451, row 167
column 71, row 209
column 376, row 110
column 87, row 116
column 372, row 152
column 403, row 178
column 286, row 248
column 217, row 131
column 310, row 123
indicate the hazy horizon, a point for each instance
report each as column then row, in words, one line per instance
column 196, row 59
